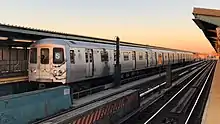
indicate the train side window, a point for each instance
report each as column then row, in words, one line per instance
column 126, row 56
column 104, row 56
column 58, row 55
column 87, row 58
column 133, row 55
column 33, row 55
column 140, row 56
column 72, row 56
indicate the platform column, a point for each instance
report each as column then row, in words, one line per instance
column 25, row 60
column 117, row 79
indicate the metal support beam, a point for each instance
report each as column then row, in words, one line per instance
column 210, row 30
column 117, row 66
column 214, row 38
column 217, row 44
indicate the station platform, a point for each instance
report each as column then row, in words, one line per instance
column 212, row 109
column 13, row 79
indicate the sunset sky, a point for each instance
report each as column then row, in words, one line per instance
column 165, row 23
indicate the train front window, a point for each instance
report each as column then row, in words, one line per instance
column 58, row 55
column 33, row 55
column 44, row 53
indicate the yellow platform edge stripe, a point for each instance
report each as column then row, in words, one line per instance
column 13, row 79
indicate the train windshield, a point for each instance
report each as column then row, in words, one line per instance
column 33, row 55
column 58, row 55
column 44, row 56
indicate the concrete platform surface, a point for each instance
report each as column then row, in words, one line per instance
column 212, row 111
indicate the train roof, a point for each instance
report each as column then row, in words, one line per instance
column 100, row 45
column 103, row 45
column 84, row 44
column 28, row 33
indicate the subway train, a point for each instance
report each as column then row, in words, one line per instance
column 67, row 61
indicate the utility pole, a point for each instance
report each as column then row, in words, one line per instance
column 118, row 65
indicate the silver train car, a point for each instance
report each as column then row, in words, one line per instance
column 67, row 61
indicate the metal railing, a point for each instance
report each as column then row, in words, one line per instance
column 87, row 92
column 13, row 66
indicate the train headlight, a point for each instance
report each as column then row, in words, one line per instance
column 33, row 70
column 55, row 72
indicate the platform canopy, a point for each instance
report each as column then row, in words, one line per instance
column 208, row 20
column 11, row 33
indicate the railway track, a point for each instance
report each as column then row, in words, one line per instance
column 21, row 87
column 188, row 68
column 177, row 104
column 177, row 73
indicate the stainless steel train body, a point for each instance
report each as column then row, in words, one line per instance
column 67, row 61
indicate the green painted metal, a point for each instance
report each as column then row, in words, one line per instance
column 26, row 107
column 111, row 109
column 209, row 19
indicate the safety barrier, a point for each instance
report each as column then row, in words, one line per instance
column 27, row 107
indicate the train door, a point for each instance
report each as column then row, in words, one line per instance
column 33, row 64
column 168, row 57
column 165, row 58
column 134, row 59
column 156, row 59
column 89, row 62
column 178, row 58
column 181, row 57
column 44, row 64
column 150, row 59
column 146, row 57
column 184, row 58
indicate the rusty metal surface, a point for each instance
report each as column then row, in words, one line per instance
column 107, row 110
